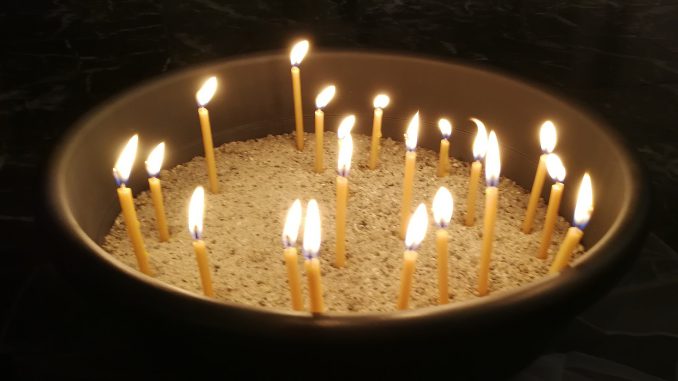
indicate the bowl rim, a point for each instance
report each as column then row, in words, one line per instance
column 629, row 226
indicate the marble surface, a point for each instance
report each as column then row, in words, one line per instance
column 62, row 57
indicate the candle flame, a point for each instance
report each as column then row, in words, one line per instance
column 196, row 209
column 345, row 153
column 584, row 207
column 445, row 127
column 345, row 126
column 311, row 244
column 443, row 205
column 555, row 167
column 154, row 160
column 292, row 223
column 325, row 96
column 416, row 228
column 298, row 52
column 492, row 161
column 480, row 142
column 548, row 137
column 381, row 101
column 206, row 92
column 412, row 133
column 123, row 166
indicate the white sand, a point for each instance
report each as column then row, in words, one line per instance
column 259, row 179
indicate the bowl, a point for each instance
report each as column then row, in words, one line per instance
column 254, row 100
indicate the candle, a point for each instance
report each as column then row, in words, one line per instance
column 203, row 96
column 443, row 204
column 343, row 168
column 297, row 55
column 444, row 161
column 121, row 172
column 557, row 172
column 547, row 140
column 492, row 171
column 479, row 149
column 289, row 239
column 321, row 101
column 410, row 161
column 196, row 209
column 311, row 247
column 380, row 102
column 582, row 216
column 416, row 230
column 153, row 165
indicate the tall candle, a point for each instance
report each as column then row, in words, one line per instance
column 121, row 172
column 196, row 209
column 582, row 216
column 297, row 55
column 547, row 140
column 557, row 172
column 311, row 247
column 492, row 171
column 410, row 165
column 380, row 102
column 444, row 160
column 153, row 165
column 416, row 231
column 343, row 168
column 321, row 101
column 203, row 96
column 479, row 150
column 289, row 239
column 443, row 205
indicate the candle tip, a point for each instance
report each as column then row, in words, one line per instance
column 325, row 96
column 445, row 127
column 416, row 228
column 584, row 207
column 555, row 167
column 196, row 210
column 381, row 101
column 311, row 245
column 298, row 52
column 492, row 161
column 480, row 141
column 548, row 137
column 123, row 166
column 206, row 91
column 292, row 223
column 154, row 160
column 443, row 206
column 412, row 134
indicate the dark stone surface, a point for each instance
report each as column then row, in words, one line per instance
column 60, row 58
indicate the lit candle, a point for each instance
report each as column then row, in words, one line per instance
column 196, row 209
column 153, row 165
column 297, row 55
column 416, row 230
column 321, row 101
column 443, row 205
column 311, row 247
column 556, row 170
column 343, row 168
column 582, row 216
column 444, row 161
column 289, row 239
column 547, row 140
column 479, row 149
column 492, row 171
column 380, row 103
column 410, row 164
column 121, row 172
column 203, row 96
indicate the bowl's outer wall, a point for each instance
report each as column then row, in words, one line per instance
column 254, row 99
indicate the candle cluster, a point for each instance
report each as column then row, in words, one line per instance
column 414, row 225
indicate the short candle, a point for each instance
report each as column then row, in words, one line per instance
column 547, row 139
column 416, row 231
column 410, row 165
column 556, row 170
column 492, row 172
column 196, row 209
column 321, row 102
column 443, row 205
column 289, row 239
column 444, row 161
column 153, row 165
column 343, row 169
column 297, row 55
column 380, row 102
column 203, row 96
column 311, row 247
column 479, row 150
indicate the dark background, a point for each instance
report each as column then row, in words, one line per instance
column 58, row 59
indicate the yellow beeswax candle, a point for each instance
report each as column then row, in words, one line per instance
column 153, row 166
column 203, row 96
column 547, row 140
column 410, row 165
column 492, row 171
column 121, row 172
column 479, row 150
column 416, row 231
column 297, row 54
column 321, row 101
column 342, row 195
column 582, row 215
column 196, row 210
column 380, row 102
column 557, row 172
column 443, row 205
column 444, row 160
column 289, row 238
column 311, row 246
